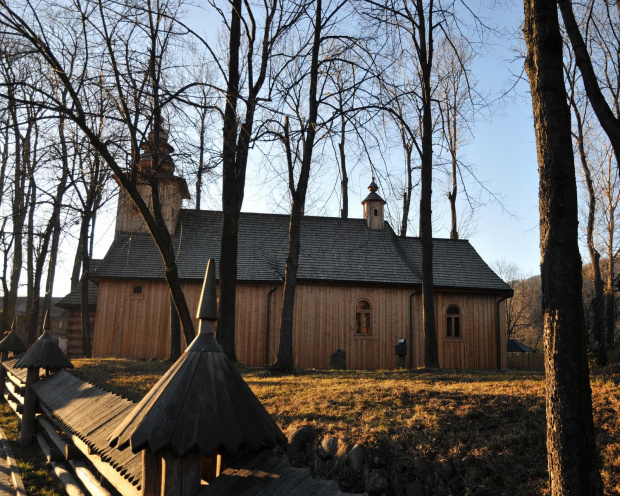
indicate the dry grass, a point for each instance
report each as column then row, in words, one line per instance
column 38, row 478
column 476, row 432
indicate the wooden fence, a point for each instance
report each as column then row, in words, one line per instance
column 526, row 361
column 75, row 419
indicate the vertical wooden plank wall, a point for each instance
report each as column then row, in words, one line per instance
column 138, row 326
column 477, row 347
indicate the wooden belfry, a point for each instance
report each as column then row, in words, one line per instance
column 200, row 411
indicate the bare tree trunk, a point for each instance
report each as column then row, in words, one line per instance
column 344, row 183
column 408, row 192
column 454, row 233
column 572, row 456
column 232, row 198
column 84, row 303
column 32, row 298
column 55, row 219
column 285, row 361
column 175, row 333
column 77, row 261
column 431, row 349
column 19, row 216
column 610, row 307
column 598, row 302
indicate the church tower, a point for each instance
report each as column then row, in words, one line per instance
column 172, row 189
column 373, row 207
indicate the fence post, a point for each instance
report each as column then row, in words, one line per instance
column 11, row 343
column 43, row 354
column 30, row 408
column 199, row 411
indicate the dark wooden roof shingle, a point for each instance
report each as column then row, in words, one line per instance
column 12, row 342
column 44, row 354
column 332, row 250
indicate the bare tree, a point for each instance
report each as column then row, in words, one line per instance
column 524, row 309
column 415, row 25
column 579, row 136
column 303, row 159
column 571, row 446
column 105, row 33
column 595, row 53
column 458, row 101
column 605, row 103
column 12, row 75
column 278, row 18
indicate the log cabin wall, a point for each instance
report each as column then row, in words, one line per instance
column 74, row 331
column 137, row 325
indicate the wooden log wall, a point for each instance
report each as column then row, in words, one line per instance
column 74, row 332
column 138, row 326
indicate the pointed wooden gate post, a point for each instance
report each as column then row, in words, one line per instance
column 199, row 411
column 43, row 354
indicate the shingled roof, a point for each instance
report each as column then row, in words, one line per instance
column 332, row 250
column 73, row 299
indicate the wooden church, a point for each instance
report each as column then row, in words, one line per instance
column 358, row 289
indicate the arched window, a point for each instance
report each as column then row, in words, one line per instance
column 453, row 322
column 363, row 318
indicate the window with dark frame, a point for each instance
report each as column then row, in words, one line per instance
column 137, row 290
column 453, row 322
column 363, row 314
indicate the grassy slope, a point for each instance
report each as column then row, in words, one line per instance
column 477, row 432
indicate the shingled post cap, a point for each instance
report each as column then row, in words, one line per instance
column 44, row 354
column 12, row 342
column 201, row 404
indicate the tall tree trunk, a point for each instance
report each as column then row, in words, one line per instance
column 32, row 296
column 344, row 183
column 19, row 216
column 572, row 456
column 175, row 333
column 285, row 361
column 55, row 219
column 598, row 302
column 231, row 200
column 454, row 233
column 84, row 303
column 408, row 192
column 610, row 307
column 431, row 349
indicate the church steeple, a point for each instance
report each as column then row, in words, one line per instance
column 373, row 207
column 172, row 189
